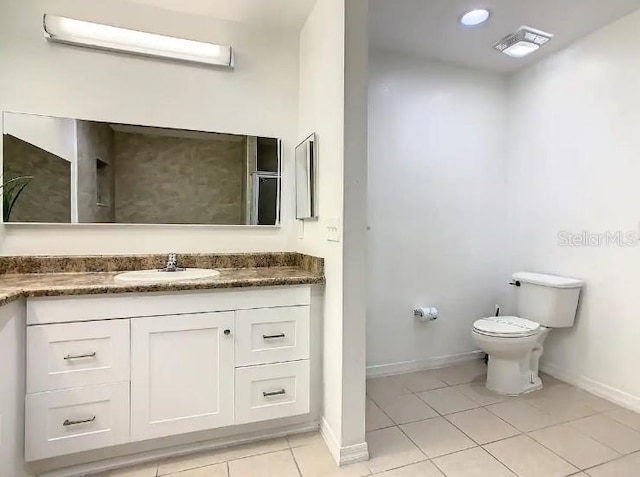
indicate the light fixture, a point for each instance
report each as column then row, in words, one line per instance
column 523, row 42
column 475, row 17
column 105, row 37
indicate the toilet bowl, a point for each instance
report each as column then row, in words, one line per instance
column 514, row 344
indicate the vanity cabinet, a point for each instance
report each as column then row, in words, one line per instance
column 109, row 370
column 182, row 370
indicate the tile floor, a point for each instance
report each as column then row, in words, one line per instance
column 445, row 423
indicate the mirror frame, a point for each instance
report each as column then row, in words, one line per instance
column 308, row 193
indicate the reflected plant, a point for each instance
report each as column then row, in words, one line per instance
column 11, row 190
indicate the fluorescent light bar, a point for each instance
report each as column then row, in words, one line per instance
column 105, row 37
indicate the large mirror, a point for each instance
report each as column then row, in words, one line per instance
column 58, row 170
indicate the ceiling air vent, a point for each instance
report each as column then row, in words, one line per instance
column 523, row 42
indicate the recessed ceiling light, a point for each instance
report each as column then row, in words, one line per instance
column 523, row 42
column 475, row 17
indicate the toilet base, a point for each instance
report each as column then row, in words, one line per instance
column 511, row 377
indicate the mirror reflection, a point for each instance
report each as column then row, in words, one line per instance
column 58, row 170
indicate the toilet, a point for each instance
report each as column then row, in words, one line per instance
column 515, row 343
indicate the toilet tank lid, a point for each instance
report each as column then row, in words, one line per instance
column 542, row 279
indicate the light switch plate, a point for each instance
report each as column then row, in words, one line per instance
column 334, row 229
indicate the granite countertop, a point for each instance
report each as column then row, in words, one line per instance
column 263, row 270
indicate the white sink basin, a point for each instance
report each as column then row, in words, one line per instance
column 160, row 276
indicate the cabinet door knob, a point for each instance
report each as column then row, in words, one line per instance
column 227, row 332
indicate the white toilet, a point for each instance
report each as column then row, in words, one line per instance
column 514, row 343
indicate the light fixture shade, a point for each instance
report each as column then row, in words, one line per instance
column 106, row 37
column 475, row 17
column 521, row 49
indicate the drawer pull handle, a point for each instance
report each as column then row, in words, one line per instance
column 67, row 422
column 273, row 337
column 274, row 393
column 80, row 356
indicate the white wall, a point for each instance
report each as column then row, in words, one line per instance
column 55, row 135
column 12, row 389
column 574, row 166
column 437, row 208
column 333, row 105
column 260, row 97
column 321, row 110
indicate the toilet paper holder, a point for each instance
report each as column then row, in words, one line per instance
column 429, row 313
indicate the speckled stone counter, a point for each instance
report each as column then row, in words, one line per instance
column 23, row 277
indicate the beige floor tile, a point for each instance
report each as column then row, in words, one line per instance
column 548, row 380
column 527, row 458
column 256, row 448
column 180, row 464
column 316, row 461
column 597, row 403
column 421, row 469
column 308, row 438
column 422, row 381
column 482, row 426
column 387, row 386
column 579, row 449
column 218, row 470
column 474, row 370
column 479, row 393
column 447, row 400
column 274, row 464
column 389, row 449
column 406, row 408
column 474, row 462
column 628, row 418
column 376, row 418
column 628, row 466
column 562, row 402
column 522, row 416
column 145, row 470
column 437, row 437
column 611, row 433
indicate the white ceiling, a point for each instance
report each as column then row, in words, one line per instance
column 271, row 14
column 430, row 28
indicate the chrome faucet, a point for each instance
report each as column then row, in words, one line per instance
column 172, row 263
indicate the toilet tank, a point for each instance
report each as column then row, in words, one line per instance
column 549, row 300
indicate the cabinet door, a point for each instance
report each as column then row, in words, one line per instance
column 182, row 374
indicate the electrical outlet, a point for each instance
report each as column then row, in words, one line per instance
column 334, row 229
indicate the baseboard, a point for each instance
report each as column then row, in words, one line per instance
column 343, row 455
column 155, row 455
column 604, row 391
column 421, row 364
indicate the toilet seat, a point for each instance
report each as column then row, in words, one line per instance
column 506, row 327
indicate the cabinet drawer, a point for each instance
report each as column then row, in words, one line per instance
column 77, row 354
column 76, row 420
column 272, row 335
column 272, row 391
